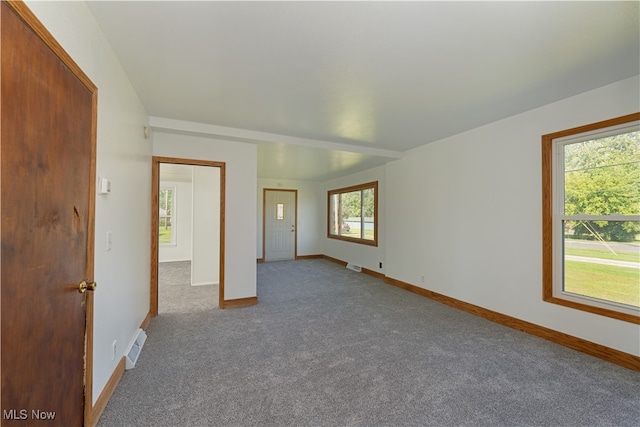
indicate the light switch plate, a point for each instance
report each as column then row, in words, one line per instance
column 104, row 186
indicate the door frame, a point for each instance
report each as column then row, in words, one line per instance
column 155, row 221
column 264, row 220
column 32, row 22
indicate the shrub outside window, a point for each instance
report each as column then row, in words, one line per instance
column 591, row 218
column 352, row 214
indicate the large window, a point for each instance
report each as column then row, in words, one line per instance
column 352, row 214
column 591, row 218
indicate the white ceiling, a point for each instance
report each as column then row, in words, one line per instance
column 366, row 80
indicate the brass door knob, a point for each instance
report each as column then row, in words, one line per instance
column 87, row 286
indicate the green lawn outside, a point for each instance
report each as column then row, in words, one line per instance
column 164, row 234
column 607, row 282
column 603, row 254
column 355, row 233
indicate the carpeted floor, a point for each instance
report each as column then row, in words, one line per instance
column 175, row 293
column 326, row 346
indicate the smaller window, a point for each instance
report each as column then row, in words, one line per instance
column 167, row 217
column 280, row 211
column 352, row 214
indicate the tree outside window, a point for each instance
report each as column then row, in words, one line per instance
column 166, row 229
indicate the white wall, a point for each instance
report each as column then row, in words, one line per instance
column 240, row 199
column 358, row 254
column 310, row 213
column 466, row 213
column 124, row 157
column 206, row 226
column 181, row 224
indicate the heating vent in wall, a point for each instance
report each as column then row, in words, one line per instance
column 136, row 347
column 354, row 267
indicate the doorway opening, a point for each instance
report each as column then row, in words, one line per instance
column 279, row 224
column 187, row 247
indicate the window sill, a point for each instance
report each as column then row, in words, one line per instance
column 631, row 318
column 353, row 240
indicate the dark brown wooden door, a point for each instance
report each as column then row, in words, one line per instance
column 46, row 173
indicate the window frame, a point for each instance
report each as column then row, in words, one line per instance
column 552, row 233
column 361, row 187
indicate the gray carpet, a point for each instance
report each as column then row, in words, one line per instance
column 175, row 293
column 327, row 346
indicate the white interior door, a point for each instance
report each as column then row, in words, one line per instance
column 280, row 225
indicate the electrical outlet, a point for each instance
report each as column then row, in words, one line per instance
column 380, row 265
column 114, row 349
